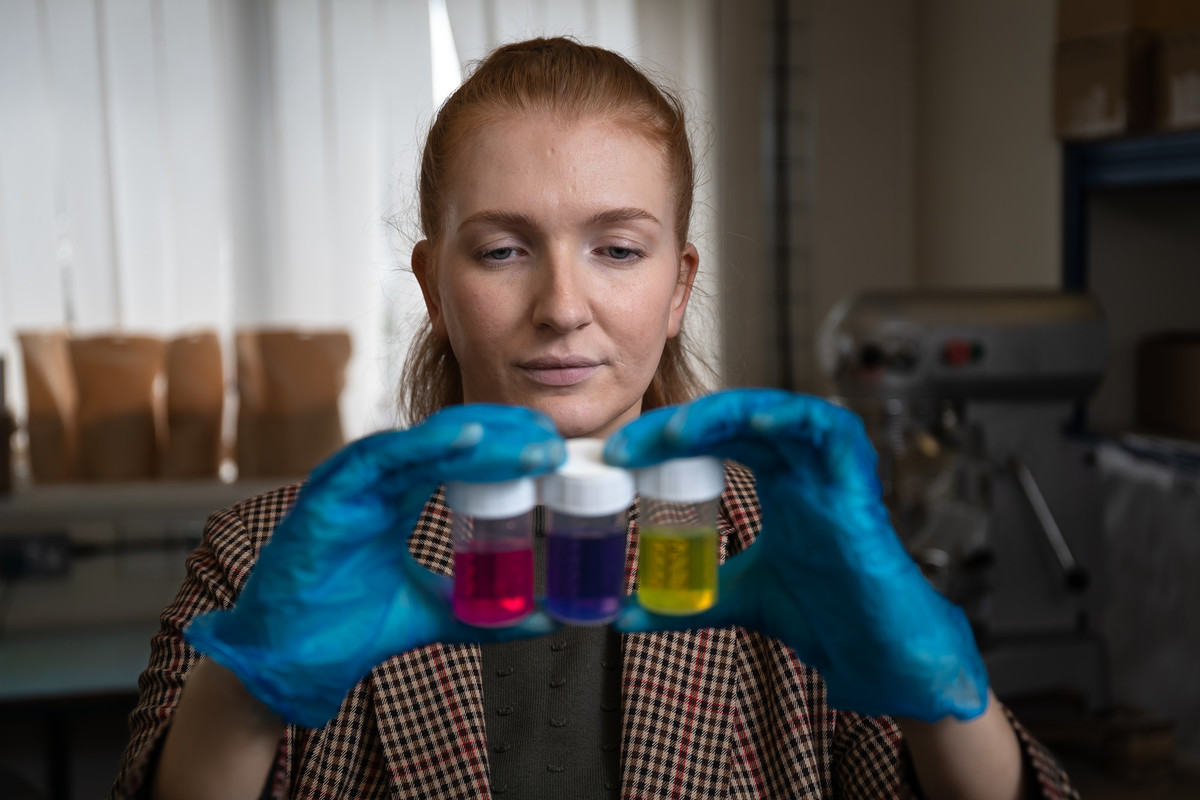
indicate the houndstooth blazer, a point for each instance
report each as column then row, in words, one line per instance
column 707, row 714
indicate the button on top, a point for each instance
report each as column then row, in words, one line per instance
column 956, row 352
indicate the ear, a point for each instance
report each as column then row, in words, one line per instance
column 689, row 263
column 423, row 270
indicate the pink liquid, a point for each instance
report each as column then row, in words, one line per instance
column 493, row 583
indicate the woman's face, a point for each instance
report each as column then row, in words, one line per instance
column 558, row 279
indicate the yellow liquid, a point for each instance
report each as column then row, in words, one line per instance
column 677, row 569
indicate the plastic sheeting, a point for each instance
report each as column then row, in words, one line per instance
column 1151, row 522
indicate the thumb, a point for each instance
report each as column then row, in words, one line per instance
column 536, row 624
column 730, row 608
column 636, row 619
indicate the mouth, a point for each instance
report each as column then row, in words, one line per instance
column 553, row 371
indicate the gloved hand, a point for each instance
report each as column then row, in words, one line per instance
column 827, row 575
column 335, row 590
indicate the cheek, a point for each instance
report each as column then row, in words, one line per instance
column 643, row 316
column 473, row 311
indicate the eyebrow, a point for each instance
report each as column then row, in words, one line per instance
column 515, row 219
column 503, row 219
column 621, row 215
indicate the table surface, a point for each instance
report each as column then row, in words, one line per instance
column 65, row 663
column 96, row 655
column 39, row 507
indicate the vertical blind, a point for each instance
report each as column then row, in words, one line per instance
column 167, row 165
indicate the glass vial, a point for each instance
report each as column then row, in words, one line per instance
column 677, row 534
column 492, row 531
column 587, row 512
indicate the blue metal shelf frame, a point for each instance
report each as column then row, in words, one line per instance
column 1147, row 161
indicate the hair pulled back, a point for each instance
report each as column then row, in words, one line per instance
column 572, row 81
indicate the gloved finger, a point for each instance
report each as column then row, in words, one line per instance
column 363, row 461
column 643, row 442
column 720, row 424
column 498, row 413
column 772, row 431
column 514, row 442
column 847, row 458
column 440, row 588
column 636, row 619
column 472, row 442
column 733, row 606
column 536, row 624
column 752, row 595
column 433, row 583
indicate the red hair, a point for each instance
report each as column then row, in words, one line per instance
column 572, row 81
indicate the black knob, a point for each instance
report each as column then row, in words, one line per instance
column 903, row 359
column 1078, row 579
column 871, row 356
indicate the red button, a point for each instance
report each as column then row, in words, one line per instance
column 956, row 352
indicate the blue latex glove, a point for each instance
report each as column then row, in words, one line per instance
column 827, row 575
column 335, row 590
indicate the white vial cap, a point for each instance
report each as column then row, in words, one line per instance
column 683, row 480
column 498, row 500
column 585, row 486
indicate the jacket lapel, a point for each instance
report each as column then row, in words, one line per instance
column 679, row 693
column 429, row 707
column 429, row 702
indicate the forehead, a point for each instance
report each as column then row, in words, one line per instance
column 516, row 156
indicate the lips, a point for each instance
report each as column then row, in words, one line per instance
column 554, row 371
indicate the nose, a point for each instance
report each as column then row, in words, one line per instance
column 561, row 300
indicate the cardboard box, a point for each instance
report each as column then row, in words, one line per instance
column 1167, row 16
column 1104, row 85
column 1168, row 383
column 1177, row 81
column 1079, row 18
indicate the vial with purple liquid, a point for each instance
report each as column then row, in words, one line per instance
column 587, row 508
column 492, row 531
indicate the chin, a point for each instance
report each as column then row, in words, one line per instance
column 576, row 420
column 579, row 428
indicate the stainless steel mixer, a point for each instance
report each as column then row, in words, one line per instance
column 967, row 394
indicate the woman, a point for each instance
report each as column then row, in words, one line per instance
column 556, row 192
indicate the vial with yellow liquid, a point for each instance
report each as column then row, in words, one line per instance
column 677, row 534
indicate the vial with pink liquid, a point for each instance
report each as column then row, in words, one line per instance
column 492, row 530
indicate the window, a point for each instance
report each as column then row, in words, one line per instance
column 167, row 165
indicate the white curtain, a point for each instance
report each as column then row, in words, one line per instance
column 173, row 164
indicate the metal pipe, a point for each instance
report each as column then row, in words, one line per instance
column 1077, row 577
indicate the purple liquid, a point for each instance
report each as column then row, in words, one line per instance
column 585, row 575
column 493, row 583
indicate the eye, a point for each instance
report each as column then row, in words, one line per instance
column 498, row 254
column 617, row 253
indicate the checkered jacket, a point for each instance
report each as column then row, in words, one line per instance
column 707, row 714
